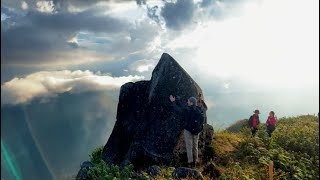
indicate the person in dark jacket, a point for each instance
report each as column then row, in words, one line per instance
column 191, row 140
column 271, row 123
column 254, row 122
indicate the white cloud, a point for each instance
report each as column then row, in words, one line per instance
column 142, row 66
column 24, row 5
column 50, row 83
column 45, row 6
column 73, row 39
column 226, row 85
column 3, row 17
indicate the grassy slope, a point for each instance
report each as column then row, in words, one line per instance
column 294, row 149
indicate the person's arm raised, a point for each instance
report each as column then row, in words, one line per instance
column 174, row 104
column 172, row 98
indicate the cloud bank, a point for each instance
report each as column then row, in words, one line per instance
column 60, row 5
column 182, row 14
column 51, row 39
column 65, row 33
column 63, row 39
column 47, row 84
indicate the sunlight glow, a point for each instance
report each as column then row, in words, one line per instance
column 272, row 43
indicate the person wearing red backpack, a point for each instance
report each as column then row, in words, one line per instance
column 271, row 123
column 254, row 122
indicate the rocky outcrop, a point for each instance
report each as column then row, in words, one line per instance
column 147, row 130
column 154, row 171
column 212, row 171
column 83, row 172
column 187, row 173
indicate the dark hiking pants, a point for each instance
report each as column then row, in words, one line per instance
column 270, row 129
column 254, row 131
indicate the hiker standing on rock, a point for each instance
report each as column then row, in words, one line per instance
column 254, row 122
column 193, row 119
column 271, row 123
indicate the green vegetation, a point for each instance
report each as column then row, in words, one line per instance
column 293, row 148
column 101, row 170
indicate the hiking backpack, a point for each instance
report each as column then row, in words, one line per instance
column 197, row 119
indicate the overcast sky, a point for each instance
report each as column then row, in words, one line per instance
column 228, row 46
column 233, row 45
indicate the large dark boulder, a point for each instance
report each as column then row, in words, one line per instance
column 147, row 130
